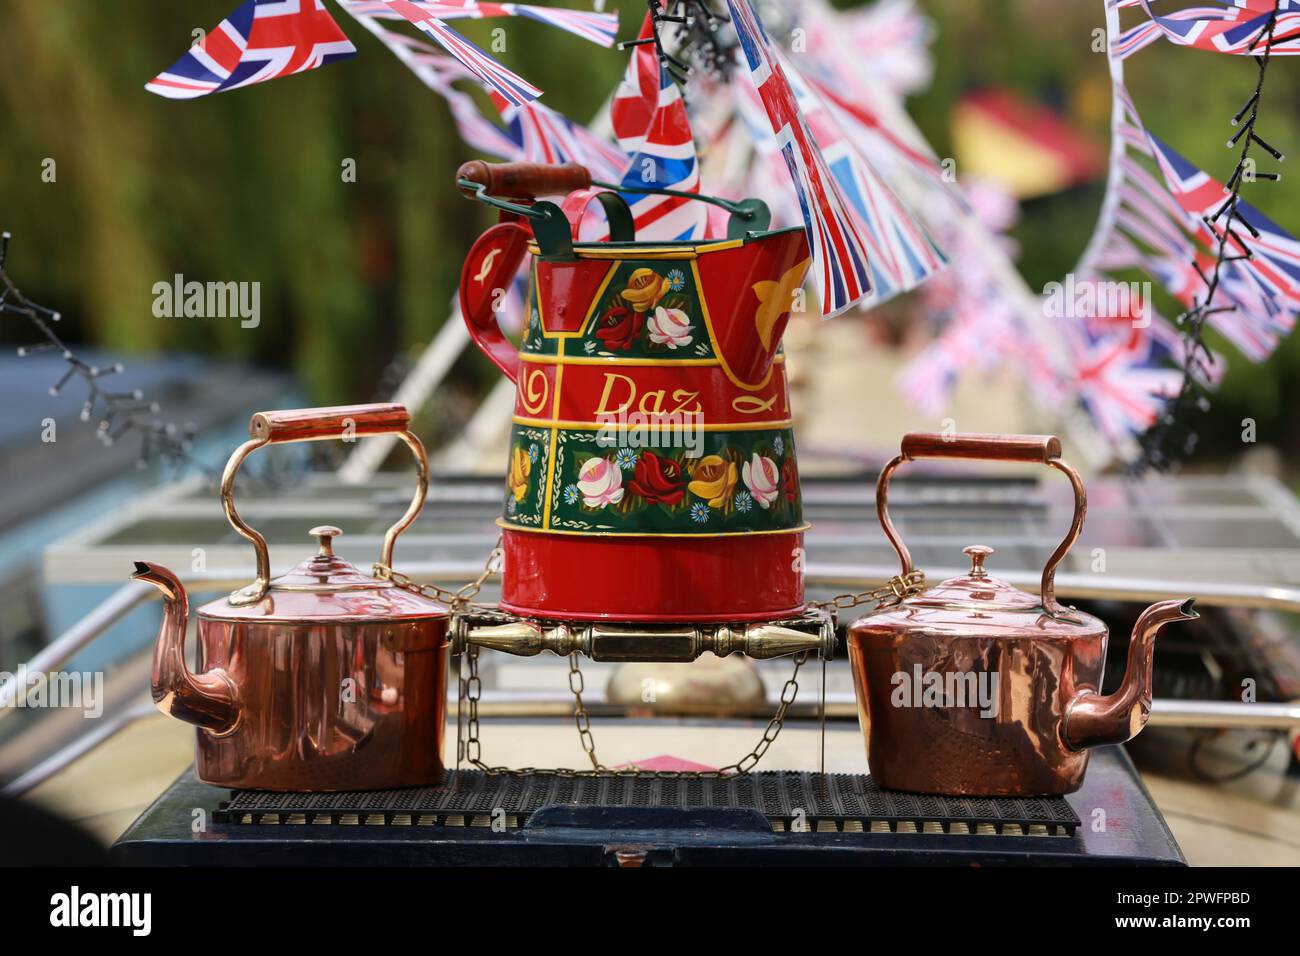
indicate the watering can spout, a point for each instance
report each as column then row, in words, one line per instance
column 1092, row 719
column 206, row 700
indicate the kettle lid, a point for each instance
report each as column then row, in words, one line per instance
column 326, row 571
column 977, row 588
column 328, row 587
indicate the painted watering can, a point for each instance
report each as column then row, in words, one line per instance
column 652, row 472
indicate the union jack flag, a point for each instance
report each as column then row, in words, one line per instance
column 1139, row 181
column 1132, row 321
column 663, row 157
column 1274, row 254
column 438, row 71
column 543, row 135
column 1124, row 382
column 637, row 96
column 260, row 41
column 510, row 86
column 1236, row 27
column 599, row 28
column 861, row 63
column 900, row 251
column 1183, row 270
column 533, row 132
column 767, row 176
column 841, row 269
column 1247, row 325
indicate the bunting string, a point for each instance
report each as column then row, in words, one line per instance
column 1171, row 436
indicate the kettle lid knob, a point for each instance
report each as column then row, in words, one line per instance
column 326, row 534
column 977, row 552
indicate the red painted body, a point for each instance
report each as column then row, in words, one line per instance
column 604, row 577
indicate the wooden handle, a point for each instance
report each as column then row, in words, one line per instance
column 315, row 424
column 524, row 180
column 1036, row 449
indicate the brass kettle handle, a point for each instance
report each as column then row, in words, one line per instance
column 319, row 424
column 1036, row 449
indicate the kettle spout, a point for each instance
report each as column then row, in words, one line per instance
column 1092, row 720
column 206, row 700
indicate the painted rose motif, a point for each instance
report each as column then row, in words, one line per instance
column 714, row 479
column 762, row 479
column 521, row 465
column 670, row 327
column 644, row 289
column 600, row 483
column 658, row 479
column 620, row 328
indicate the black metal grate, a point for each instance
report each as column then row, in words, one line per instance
column 790, row 802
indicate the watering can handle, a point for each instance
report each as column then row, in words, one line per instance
column 522, row 180
column 495, row 257
column 489, row 269
column 320, row 424
column 1032, row 449
column 496, row 184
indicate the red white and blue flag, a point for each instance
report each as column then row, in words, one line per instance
column 651, row 124
column 841, row 270
column 1238, row 26
column 513, row 88
column 262, row 40
column 599, row 28
column 439, row 71
column 542, row 135
column 1122, row 367
column 1274, row 254
column 1124, row 388
column 533, row 132
column 899, row 249
column 637, row 96
column 1183, row 269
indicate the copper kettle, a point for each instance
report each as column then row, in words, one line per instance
column 323, row 678
column 976, row 688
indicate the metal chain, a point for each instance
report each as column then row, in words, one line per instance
column 453, row 599
column 582, row 719
column 471, row 687
column 894, row 590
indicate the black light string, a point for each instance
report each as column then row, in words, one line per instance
column 696, row 28
column 1155, row 444
column 120, row 412
column 124, row 413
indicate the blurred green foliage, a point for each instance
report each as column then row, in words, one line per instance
column 248, row 185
